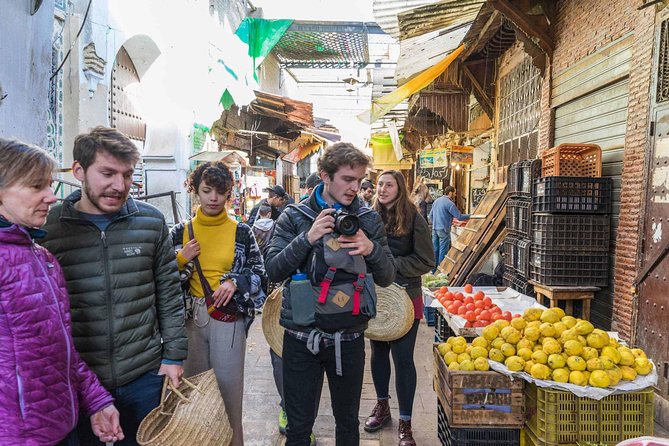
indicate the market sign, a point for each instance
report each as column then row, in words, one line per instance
column 462, row 154
column 430, row 158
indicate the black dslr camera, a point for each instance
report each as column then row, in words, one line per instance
column 346, row 223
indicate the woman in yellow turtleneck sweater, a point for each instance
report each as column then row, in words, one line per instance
column 233, row 268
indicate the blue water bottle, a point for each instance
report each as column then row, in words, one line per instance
column 302, row 299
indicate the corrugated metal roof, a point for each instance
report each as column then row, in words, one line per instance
column 386, row 11
column 453, row 107
column 433, row 17
column 420, row 53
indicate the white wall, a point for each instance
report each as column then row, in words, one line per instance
column 25, row 68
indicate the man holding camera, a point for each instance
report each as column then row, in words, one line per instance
column 326, row 307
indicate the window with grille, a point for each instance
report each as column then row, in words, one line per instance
column 663, row 64
column 520, row 109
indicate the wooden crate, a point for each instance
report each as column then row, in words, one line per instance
column 483, row 399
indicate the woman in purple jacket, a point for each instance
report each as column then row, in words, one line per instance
column 44, row 381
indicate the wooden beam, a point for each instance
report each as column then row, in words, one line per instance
column 527, row 24
column 471, row 47
column 488, row 106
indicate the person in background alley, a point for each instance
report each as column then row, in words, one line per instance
column 325, row 309
column 411, row 246
column 421, row 198
column 42, row 373
column 366, row 193
column 276, row 199
column 441, row 216
column 127, row 312
column 225, row 274
column 310, row 184
column 263, row 228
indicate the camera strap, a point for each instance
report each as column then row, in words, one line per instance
column 311, row 214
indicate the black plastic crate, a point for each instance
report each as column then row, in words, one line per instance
column 441, row 328
column 519, row 216
column 522, row 257
column 571, row 232
column 569, row 268
column 518, row 283
column 577, row 195
column 521, row 177
column 428, row 313
column 451, row 436
column 510, row 253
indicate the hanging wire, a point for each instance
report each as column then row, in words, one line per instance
column 81, row 28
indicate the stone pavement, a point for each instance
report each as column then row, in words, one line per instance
column 261, row 402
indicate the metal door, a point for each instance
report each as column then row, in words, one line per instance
column 652, row 321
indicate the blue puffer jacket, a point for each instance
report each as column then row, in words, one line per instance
column 44, row 381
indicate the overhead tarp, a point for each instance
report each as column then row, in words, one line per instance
column 300, row 153
column 433, row 17
column 419, row 53
column 386, row 103
column 386, row 12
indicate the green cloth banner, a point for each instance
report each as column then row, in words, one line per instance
column 261, row 35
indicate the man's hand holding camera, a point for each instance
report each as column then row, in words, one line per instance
column 357, row 242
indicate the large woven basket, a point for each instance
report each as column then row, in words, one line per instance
column 271, row 312
column 394, row 314
column 193, row 414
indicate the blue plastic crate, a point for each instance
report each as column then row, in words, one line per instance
column 429, row 314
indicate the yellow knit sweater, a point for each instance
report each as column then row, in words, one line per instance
column 216, row 236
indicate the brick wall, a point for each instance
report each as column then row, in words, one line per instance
column 582, row 27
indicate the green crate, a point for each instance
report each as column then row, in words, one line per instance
column 555, row 417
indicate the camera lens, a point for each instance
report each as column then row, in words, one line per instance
column 347, row 224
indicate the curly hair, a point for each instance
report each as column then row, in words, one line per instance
column 216, row 174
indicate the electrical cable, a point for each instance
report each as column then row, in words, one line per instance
column 81, row 28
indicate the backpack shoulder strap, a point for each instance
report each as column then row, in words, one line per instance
column 363, row 211
column 304, row 210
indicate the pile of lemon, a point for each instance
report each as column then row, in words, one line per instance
column 549, row 345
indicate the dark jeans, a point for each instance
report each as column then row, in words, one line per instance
column 277, row 371
column 441, row 240
column 134, row 401
column 405, row 369
column 303, row 379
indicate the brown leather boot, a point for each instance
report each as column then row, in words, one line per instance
column 380, row 416
column 405, row 434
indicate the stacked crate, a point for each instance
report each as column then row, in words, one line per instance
column 571, row 222
column 476, row 408
column 518, row 243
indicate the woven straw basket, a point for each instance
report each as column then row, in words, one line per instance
column 394, row 314
column 271, row 313
column 193, row 414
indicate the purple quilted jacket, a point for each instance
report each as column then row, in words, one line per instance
column 43, row 381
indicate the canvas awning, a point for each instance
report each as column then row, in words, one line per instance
column 227, row 156
column 386, row 103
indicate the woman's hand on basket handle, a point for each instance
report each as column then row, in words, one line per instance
column 106, row 425
column 173, row 371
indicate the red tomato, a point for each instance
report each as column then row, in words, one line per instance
column 469, row 300
column 443, row 289
column 468, row 324
column 470, row 307
column 470, row 316
column 447, row 302
column 469, row 288
column 485, row 315
column 449, row 296
column 484, row 323
column 495, row 309
column 477, row 311
column 487, row 301
column 507, row 315
column 495, row 316
column 451, row 309
column 459, row 296
column 462, row 310
column 479, row 304
column 479, row 295
column 457, row 304
column 517, row 315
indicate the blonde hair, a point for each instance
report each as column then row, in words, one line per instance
column 24, row 164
